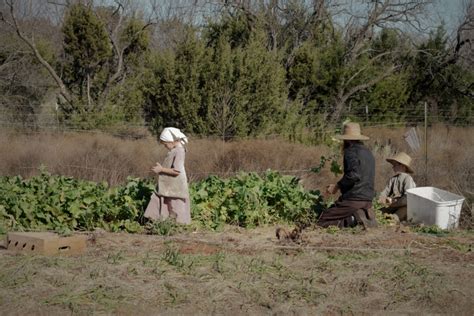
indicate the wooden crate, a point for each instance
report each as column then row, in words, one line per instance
column 45, row 243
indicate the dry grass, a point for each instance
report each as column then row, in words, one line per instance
column 96, row 157
column 103, row 157
column 247, row 272
column 449, row 155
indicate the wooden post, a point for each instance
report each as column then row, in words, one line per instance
column 426, row 144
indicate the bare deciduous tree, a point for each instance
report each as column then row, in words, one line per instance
column 9, row 18
column 116, row 23
column 464, row 42
column 361, row 25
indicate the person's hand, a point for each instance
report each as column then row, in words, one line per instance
column 332, row 189
column 157, row 168
column 385, row 200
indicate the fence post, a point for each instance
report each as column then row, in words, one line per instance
column 426, row 144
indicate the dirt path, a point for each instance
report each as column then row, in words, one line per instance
column 240, row 271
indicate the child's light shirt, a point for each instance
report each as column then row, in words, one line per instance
column 397, row 187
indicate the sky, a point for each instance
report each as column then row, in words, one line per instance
column 451, row 11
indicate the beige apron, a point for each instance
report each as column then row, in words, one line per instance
column 169, row 186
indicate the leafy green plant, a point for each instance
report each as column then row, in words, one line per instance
column 335, row 167
column 250, row 200
column 60, row 203
column 64, row 204
column 3, row 229
column 63, row 231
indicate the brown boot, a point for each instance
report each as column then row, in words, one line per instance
column 365, row 219
column 371, row 216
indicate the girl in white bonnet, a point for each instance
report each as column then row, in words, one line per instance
column 172, row 196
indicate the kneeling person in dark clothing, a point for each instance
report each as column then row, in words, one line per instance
column 354, row 206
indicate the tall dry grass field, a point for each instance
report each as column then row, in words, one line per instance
column 102, row 157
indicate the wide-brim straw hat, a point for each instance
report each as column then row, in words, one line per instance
column 403, row 159
column 351, row 132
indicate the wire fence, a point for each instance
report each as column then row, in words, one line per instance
column 133, row 128
column 221, row 173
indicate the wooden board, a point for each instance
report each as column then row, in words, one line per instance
column 45, row 243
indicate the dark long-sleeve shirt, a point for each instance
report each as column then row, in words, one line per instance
column 357, row 182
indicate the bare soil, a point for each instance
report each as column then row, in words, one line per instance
column 388, row 270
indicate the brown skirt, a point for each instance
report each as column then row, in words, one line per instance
column 342, row 214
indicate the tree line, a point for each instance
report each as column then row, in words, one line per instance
column 233, row 68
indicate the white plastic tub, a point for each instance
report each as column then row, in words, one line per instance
column 432, row 206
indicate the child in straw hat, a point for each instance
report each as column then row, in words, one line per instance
column 394, row 197
column 172, row 196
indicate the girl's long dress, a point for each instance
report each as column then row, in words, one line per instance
column 172, row 196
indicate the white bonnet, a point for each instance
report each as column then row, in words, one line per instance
column 171, row 134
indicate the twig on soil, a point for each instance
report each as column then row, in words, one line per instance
column 341, row 248
column 456, row 290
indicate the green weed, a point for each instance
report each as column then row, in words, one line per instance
column 462, row 247
column 333, row 230
column 218, row 261
column 173, row 257
column 410, row 280
column 352, row 256
column 115, row 258
column 173, row 293
column 166, row 227
column 432, row 230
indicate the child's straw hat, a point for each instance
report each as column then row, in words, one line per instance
column 403, row 159
column 352, row 132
